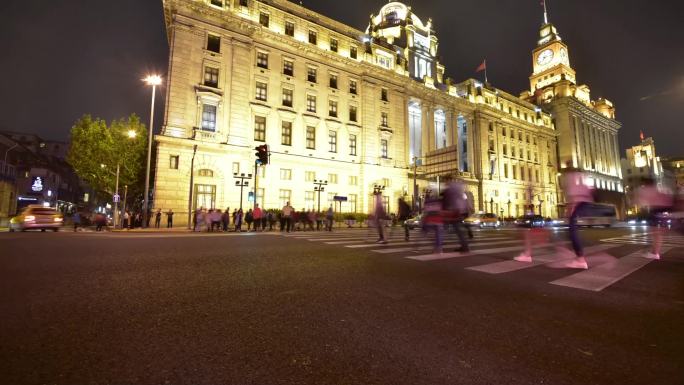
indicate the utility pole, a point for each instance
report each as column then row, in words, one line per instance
column 242, row 183
column 192, row 184
column 320, row 187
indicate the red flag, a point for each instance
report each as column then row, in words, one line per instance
column 641, row 135
column 482, row 67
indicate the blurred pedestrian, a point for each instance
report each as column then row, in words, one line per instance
column 433, row 220
column 329, row 217
column 157, row 219
column 249, row 217
column 76, row 218
column 126, row 219
column 238, row 221
column 256, row 216
column 578, row 194
column 379, row 215
column 404, row 215
column 457, row 210
column 169, row 219
column 287, row 216
column 225, row 219
column 657, row 200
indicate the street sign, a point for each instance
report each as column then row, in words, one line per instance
column 250, row 196
column 117, row 198
column 338, row 198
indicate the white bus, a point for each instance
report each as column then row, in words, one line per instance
column 597, row 214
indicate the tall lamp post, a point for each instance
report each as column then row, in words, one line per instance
column 319, row 188
column 154, row 81
column 242, row 183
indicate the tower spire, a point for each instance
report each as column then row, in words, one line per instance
column 546, row 14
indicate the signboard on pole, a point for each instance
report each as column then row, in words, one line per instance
column 117, row 198
column 338, row 198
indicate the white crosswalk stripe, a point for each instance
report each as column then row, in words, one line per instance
column 609, row 269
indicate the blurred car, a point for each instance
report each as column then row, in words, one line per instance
column 560, row 222
column 530, row 221
column 483, row 220
column 415, row 222
column 37, row 218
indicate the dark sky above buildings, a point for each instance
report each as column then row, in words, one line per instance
column 61, row 59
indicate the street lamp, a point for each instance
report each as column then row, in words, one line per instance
column 491, row 205
column 509, row 208
column 319, row 188
column 242, row 183
column 154, row 81
column 131, row 134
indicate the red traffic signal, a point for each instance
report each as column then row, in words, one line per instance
column 262, row 154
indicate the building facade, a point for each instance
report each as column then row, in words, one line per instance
column 674, row 170
column 587, row 129
column 357, row 109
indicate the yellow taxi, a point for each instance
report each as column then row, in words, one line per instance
column 483, row 220
column 36, row 217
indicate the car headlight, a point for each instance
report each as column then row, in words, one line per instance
column 643, row 221
column 29, row 218
column 58, row 219
column 631, row 221
column 477, row 221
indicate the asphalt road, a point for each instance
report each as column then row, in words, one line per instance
column 145, row 308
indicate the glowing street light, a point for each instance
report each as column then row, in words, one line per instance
column 154, row 81
column 132, row 134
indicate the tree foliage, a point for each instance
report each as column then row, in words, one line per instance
column 97, row 148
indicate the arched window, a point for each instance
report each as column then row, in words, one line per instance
column 206, row 172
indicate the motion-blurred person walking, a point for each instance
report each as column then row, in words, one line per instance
column 657, row 200
column 578, row 195
column 379, row 215
column 404, row 215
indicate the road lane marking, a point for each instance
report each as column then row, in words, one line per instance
column 537, row 260
column 425, row 242
column 436, row 257
column 447, row 244
column 602, row 276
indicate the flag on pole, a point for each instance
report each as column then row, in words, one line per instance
column 482, row 67
column 641, row 135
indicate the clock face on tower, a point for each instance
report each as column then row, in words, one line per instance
column 545, row 57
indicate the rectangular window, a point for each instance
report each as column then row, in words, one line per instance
column 286, row 134
column 287, row 97
column 352, row 113
column 332, row 108
column 311, row 103
column 284, row 196
column 261, row 91
column 505, row 149
column 522, row 155
column 311, row 138
column 383, row 95
column 285, row 174
column 384, row 119
column 333, row 44
column 333, row 81
column 383, row 148
column 491, row 144
column 515, row 172
column 262, row 60
column 503, row 131
column 536, row 157
column 353, row 180
column 173, row 162
column 536, row 175
column 218, row 3
column 353, row 52
column 244, row 3
column 352, row 145
column 288, row 67
column 260, row 128
column 264, row 19
column 289, row 28
column 352, row 87
column 236, row 168
column 211, row 77
column 213, row 43
column 332, row 141
column 506, row 171
column 332, row 178
column 208, row 117
column 352, row 202
column 205, row 196
column 311, row 74
column 310, row 200
column 309, row 176
column 313, row 37
column 529, row 155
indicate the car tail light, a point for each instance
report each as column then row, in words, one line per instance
column 29, row 218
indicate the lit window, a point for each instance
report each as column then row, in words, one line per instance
column 383, row 95
column 352, row 87
column 311, row 103
column 285, row 174
column 384, row 119
column 287, row 97
column 289, row 28
column 288, row 67
column 287, row 134
column 208, row 117
column 262, row 60
column 284, row 196
column 309, row 176
column 353, row 180
column 313, row 37
column 264, row 19
column 333, row 81
column 311, row 138
column 332, row 108
column 384, row 148
column 206, row 173
column 332, row 178
column 332, row 141
column 260, row 128
column 352, row 145
column 213, row 43
column 261, row 91
column 333, row 45
column 211, row 77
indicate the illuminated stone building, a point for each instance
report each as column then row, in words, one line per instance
column 358, row 109
column 587, row 129
column 674, row 169
column 641, row 163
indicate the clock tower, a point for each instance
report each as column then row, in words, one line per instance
column 550, row 60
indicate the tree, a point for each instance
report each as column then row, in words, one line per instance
column 97, row 148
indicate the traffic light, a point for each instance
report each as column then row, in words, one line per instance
column 262, row 154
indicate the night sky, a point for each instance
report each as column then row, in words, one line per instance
column 61, row 59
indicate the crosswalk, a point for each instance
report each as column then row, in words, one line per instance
column 610, row 261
